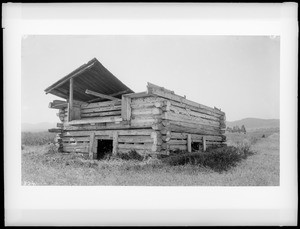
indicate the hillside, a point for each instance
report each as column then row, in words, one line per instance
column 37, row 127
column 255, row 123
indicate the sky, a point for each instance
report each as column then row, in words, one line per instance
column 238, row 74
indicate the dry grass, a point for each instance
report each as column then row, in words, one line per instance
column 42, row 165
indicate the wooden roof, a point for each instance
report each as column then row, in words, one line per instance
column 92, row 76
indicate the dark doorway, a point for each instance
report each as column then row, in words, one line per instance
column 104, row 148
column 195, row 146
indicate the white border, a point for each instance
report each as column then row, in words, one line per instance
column 26, row 205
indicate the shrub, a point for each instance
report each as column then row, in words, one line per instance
column 131, row 155
column 218, row 159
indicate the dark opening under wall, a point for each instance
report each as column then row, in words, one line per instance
column 104, row 148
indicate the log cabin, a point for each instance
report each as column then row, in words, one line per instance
column 99, row 115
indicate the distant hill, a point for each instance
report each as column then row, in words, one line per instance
column 255, row 123
column 37, row 127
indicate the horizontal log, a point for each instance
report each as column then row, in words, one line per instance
column 135, row 139
column 100, row 95
column 166, row 94
column 205, row 117
column 177, row 142
column 150, row 111
column 199, row 111
column 58, row 106
column 55, row 130
column 147, row 105
column 175, row 135
column 96, row 120
column 182, row 128
column 100, row 109
column 101, row 114
column 76, row 139
column 149, row 99
column 109, row 132
column 60, row 125
column 195, row 120
column 100, row 104
column 168, row 123
column 137, row 95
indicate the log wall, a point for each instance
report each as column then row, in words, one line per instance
column 154, row 122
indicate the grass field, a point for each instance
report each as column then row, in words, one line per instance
column 42, row 165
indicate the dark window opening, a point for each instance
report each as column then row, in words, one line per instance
column 195, row 146
column 104, row 148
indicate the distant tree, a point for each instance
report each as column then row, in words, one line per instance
column 243, row 129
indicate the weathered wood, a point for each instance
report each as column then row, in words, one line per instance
column 101, row 114
column 76, row 113
column 166, row 94
column 58, row 105
column 60, row 125
column 126, row 108
column 184, row 118
column 168, row 123
column 99, row 109
column 204, row 143
column 149, row 99
column 70, row 103
column 151, row 85
column 109, row 132
column 113, row 95
column 137, row 95
column 75, row 139
column 96, row 120
column 147, row 111
column 147, row 105
column 91, row 146
column 100, row 95
column 54, row 130
column 191, row 113
column 115, row 143
column 135, row 139
column 100, row 104
column 199, row 111
column 193, row 130
column 189, row 143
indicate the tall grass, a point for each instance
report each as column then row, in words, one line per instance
column 37, row 138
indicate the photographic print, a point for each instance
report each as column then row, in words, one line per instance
column 142, row 110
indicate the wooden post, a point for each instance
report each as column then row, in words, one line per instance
column 115, row 143
column 204, row 143
column 189, row 143
column 126, row 108
column 91, row 149
column 71, row 100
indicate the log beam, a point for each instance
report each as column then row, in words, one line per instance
column 100, row 95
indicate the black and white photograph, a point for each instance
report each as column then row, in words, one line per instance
column 145, row 114
column 150, row 110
